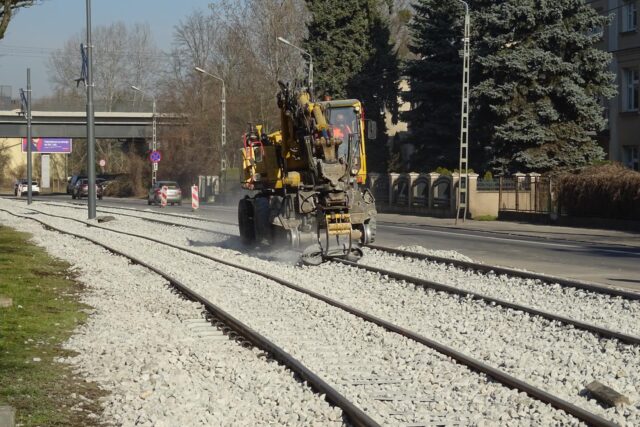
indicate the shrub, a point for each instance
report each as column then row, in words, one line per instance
column 602, row 191
column 488, row 176
column 443, row 171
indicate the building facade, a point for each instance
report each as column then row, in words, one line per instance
column 622, row 40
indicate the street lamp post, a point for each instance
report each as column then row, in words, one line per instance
column 154, row 141
column 463, row 202
column 223, row 102
column 308, row 55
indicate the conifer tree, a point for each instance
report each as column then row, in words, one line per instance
column 538, row 81
column 434, row 77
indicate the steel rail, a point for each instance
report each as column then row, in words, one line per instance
column 485, row 268
column 158, row 221
column 355, row 414
column 474, row 364
column 427, row 284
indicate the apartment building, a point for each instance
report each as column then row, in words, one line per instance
column 622, row 39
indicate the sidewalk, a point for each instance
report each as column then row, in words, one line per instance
column 574, row 234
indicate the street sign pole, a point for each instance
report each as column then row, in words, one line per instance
column 154, row 170
column 91, row 142
column 29, row 149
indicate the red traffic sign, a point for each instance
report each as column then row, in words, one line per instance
column 155, row 156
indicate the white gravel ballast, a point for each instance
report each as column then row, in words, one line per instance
column 557, row 358
column 394, row 380
column 161, row 362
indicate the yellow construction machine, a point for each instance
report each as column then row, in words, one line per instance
column 307, row 179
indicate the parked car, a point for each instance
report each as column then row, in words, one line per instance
column 81, row 190
column 22, row 186
column 72, row 181
column 174, row 194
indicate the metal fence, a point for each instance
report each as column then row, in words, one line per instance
column 517, row 194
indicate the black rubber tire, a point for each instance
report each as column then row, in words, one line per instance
column 245, row 221
column 73, row 196
column 148, row 202
column 261, row 215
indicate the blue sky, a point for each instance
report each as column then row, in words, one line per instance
column 35, row 31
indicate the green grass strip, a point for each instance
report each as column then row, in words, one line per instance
column 44, row 313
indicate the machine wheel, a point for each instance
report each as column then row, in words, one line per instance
column 245, row 221
column 73, row 196
column 148, row 202
column 370, row 229
column 262, row 212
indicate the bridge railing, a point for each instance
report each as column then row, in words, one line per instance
column 77, row 104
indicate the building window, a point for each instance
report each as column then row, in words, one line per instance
column 631, row 156
column 630, row 92
column 629, row 17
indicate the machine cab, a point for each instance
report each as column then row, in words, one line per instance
column 346, row 120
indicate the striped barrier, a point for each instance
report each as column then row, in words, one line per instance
column 163, row 196
column 195, row 201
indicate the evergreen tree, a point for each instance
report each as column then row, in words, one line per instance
column 538, row 81
column 434, row 77
column 354, row 58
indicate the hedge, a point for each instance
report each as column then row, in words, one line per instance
column 603, row 191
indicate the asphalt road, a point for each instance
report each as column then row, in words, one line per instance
column 599, row 262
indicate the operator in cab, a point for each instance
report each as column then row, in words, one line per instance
column 341, row 129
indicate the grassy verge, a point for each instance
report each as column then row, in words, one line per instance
column 44, row 313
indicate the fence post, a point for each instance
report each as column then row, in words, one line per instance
column 433, row 177
column 519, row 178
column 534, row 188
column 412, row 179
column 499, row 194
column 393, row 177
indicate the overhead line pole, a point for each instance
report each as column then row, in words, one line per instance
column 463, row 201
column 223, row 125
column 91, row 142
column 29, row 141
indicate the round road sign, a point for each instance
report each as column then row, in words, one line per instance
column 102, row 162
column 155, row 156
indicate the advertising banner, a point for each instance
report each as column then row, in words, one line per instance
column 48, row 145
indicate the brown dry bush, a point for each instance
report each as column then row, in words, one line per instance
column 603, row 191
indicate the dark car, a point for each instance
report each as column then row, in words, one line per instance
column 81, row 190
column 71, row 183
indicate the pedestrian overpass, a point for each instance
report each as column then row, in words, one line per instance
column 63, row 124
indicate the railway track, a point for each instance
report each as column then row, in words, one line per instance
column 474, row 364
column 542, row 280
